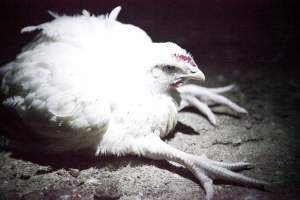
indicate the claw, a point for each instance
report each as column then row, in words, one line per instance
column 242, row 110
column 222, row 171
column 224, row 89
column 202, row 107
column 239, row 166
column 207, row 184
column 204, row 169
column 206, row 95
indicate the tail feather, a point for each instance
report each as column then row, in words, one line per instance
column 53, row 14
column 114, row 13
column 30, row 29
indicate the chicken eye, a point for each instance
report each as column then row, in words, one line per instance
column 169, row 68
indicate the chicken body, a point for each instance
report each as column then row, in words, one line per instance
column 90, row 82
column 77, row 97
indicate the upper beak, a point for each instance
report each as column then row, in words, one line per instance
column 195, row 75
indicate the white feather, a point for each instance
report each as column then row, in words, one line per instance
column 114, row 13
column 83, row 84
column 53, row 14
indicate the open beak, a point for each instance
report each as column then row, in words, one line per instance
column 195, row 75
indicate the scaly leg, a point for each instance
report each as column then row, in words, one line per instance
column 204, row 169
column 201, row 97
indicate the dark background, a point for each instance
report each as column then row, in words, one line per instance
column 258, row 34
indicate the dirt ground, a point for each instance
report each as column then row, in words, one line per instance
column 246, row 53
column 267, row 137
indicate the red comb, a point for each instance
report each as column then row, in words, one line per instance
column 187, row 59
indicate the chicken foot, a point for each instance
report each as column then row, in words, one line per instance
column 204, row 169
column 201, row 98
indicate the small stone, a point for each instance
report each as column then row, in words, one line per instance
column 257, row 117
column 77, row 182
column 107, row 192
column 43, row 170
column 25, row 176
column 62, row 172
column 248, row 125
column 74, row 172
column 92, row 181
column 237, row 142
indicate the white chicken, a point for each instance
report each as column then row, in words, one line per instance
column 93, row 83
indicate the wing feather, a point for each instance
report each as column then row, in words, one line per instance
column 63, row 83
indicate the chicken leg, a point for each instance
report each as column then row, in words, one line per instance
column 204, row 169
column 201, row 97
